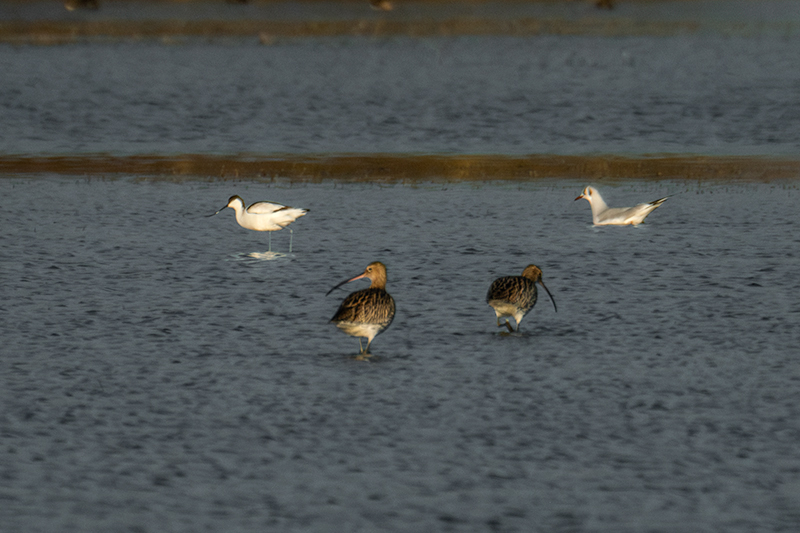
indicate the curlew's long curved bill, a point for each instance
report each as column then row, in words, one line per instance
column 346, row 281
column 550, row 295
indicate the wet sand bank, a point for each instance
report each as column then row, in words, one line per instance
column 57, row 32
column 409, row 168
column 49, row 23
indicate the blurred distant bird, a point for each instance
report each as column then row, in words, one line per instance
column 267, row 38
column 602, row 215
column 516, row 295
column 72, row 5
column 381, row 5
column 367, row 312
column 264, row 216
column 604, row 4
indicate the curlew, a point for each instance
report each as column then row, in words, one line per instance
column 516, row 295
column 367, row 312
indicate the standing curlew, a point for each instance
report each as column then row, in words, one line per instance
column 264, row 216
column 367, row 312
column 516, row 295
column 602, row 215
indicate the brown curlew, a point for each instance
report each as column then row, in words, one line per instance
column 367, row 312
column 516, row 295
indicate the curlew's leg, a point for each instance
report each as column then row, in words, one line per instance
column 364, row 355
column 270, row 240
column 510, row 329
column 291, row 234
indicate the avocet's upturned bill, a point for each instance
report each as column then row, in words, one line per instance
column 367, row 312
column 264, row 216
column 516, row 295
column 602, row 215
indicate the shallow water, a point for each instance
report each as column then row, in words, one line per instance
column 696, row 93
column 154, row 379
column 158, row 373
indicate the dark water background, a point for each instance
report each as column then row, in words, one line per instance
column 154, row 377
column 633, row 95
column 707, row 91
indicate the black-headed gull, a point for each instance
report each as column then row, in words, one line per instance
column 367, row 312
column 516, row 295
column 264, row 216
column 602, row 215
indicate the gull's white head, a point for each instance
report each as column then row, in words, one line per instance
column 589, row 193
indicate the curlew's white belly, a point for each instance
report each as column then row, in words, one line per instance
column 503, row 308
column 359, row 329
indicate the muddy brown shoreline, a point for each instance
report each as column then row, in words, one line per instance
column 266, row 20
column 52, row 32
column 400, row 168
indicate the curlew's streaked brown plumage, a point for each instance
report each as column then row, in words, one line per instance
column 367, row 312
column 516, row 295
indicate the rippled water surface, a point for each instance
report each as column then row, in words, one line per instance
column 154, row 378
column 695, row 93
column 159, row 374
